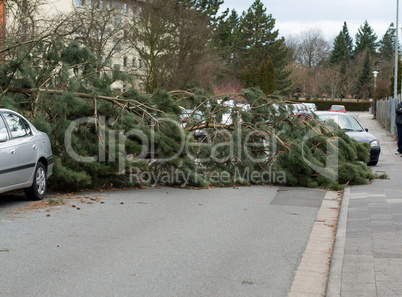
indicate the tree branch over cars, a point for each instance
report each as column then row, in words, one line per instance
column 101, row 135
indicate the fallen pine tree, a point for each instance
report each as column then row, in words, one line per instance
column 103, row 138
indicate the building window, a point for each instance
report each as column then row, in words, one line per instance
column 117, row 20
column 134, row 63
column 23, row 31
column 79, row 32
column 79, row 3
column 125, row 62
column 117, row 46
column 134, row 10
column 139, row 63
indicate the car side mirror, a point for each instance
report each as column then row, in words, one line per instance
column 3, row 137
column 366, row 129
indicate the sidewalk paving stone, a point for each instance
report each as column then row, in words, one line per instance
column 367, row 259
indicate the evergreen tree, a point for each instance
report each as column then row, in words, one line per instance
column 258, row 40
column 366, row 39
column 248, row 76
column 387, row 45
column 208, row 8
column 262, row 77
column 365, row 78
column 343, row 47
column 269, row 85
column 226, row 37
column 271, row 77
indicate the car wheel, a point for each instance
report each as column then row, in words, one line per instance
column 38, row 189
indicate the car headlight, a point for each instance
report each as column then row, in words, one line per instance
column 375, row 143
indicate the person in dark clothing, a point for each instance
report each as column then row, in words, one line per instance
column 398, row 122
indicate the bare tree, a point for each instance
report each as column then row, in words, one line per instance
column 300, row 77
column 292, row 43
column 173, row 40
column 313, row 48
column 328, row 79
column 25, row 26
column 103, row 28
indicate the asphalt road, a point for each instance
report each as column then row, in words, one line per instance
column 158, row 242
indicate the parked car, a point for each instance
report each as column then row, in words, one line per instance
column 354, row 129
column 337, row 108
column 26, row 159
column 312, row 106
column 189, row 118
column 302, row 109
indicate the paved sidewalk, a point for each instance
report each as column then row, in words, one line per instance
column 367, row 258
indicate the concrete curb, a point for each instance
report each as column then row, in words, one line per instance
column 312, row 274
column 335, row 277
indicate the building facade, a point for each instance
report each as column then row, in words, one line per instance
column 101, row 25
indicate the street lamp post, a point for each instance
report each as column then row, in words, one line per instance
column 396, row 52
column 375, row 78
column 392, row 119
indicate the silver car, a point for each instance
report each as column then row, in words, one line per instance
column 26, row 159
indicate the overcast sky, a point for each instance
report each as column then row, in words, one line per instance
column 295, row 16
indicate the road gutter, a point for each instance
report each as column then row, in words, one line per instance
column 311, row 276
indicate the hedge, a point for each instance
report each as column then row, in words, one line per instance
column 350, row 106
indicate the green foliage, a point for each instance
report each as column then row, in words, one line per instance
column 343, row 47
column 386, row 50
column 263, row 77
column 365, row 78
column 252, row 40
column 366, row 40
column 225, row 38
column 67, row 178
column 103, row 139
column 269, row 77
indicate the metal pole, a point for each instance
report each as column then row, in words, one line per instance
column 398, row 63
column 396, row 52
column 393, row 102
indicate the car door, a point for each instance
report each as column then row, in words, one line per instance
column 25, row 145
column 8, row 158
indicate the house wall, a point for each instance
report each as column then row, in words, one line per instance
column 55, row 9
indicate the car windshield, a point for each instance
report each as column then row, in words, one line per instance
column 346, row 122
column 337, row 107
column 298, row 107
column 310, row 105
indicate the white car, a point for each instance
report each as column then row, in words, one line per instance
column 26, row 159
column 312, row 106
